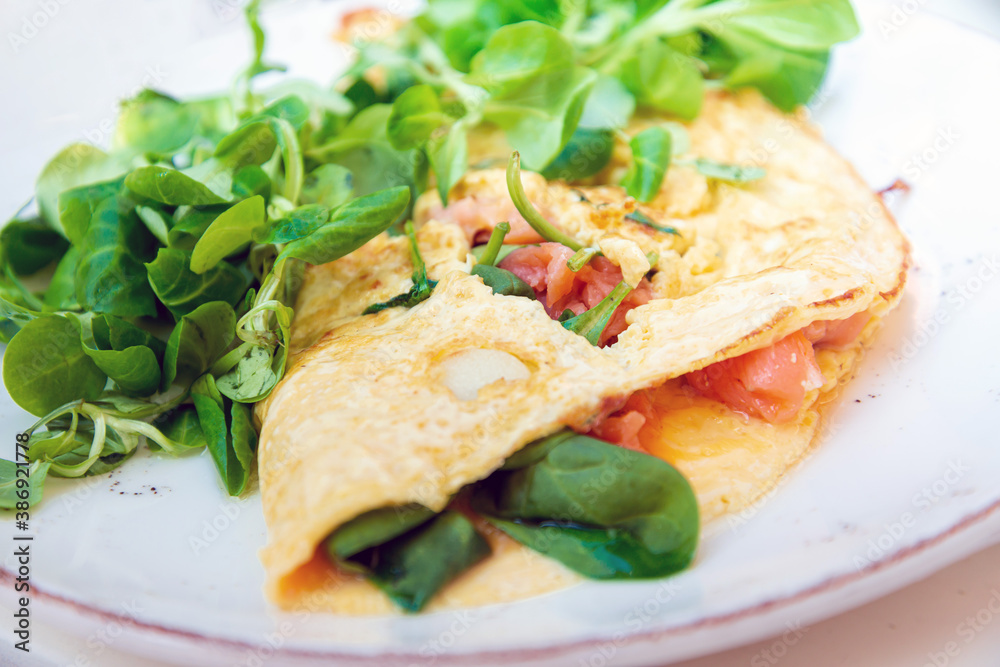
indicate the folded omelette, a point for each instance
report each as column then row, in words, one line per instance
column 409, row 406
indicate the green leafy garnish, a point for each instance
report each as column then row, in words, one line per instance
column 726, row 172
column 651, row 152
column 45, row 366
column 591, row 323
column 228, row 431
column 422, row 285
column 643, row 219
column 502, row 281
column 602, row 510
column 408, row 552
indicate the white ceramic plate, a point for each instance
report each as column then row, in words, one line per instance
column 155, row 559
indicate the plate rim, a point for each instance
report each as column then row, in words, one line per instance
column 967, row 527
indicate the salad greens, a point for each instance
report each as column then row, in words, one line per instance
column 173, row 257
column 602, row 510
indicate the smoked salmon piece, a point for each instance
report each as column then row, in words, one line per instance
column 770, row 383
column 559, row 289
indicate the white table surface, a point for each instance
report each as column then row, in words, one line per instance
column 63, row 82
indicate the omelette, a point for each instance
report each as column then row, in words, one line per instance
column 749, row 306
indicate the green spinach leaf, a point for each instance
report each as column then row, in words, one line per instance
column 651, row 154
column 604, row 511
column 156, row 124
column 422, row 286
column 228, row 233
column 198, row 340
column 182, row 427
column 170, row 186
column 414, row 566
column 502, row 281
column 182, row 290
column 374, row 528
column 110, row 277
column 31, row 245
column 229, row 431
column 297, row 224
column 74, row 166
column 12, row 491
column 350, row 227
column 329, row 185
column 45, row 366
column 587, row 152
column 591, row 323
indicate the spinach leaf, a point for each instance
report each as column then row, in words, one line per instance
column 363, row 147
column 77, row 206
column 134, row 369
column 182, row 427
column 537, row 91
column 30, row 245
column 127, row 354
column 251, row 181
column 609, row 106
column 502, row 281
column 113, row 333
column 297, row 224
column 449, row 156
column 156, row 222
column 229, row 431
column 30, row 490
column 786, row 76
column 252, row 143
column 328, row 185
column 80, row 460
column 254, row 376
column 350, row 227
column 807, row 25
column 110, row 277
column 198, row 340
column 232, row 230
column 249, row 372
column 374, row 528
column 154, row 123
column 729, row 173
column 182, row 290
column 650, row 158
column 414, row 117
column 75, row 165
column 422, row 287
column 587, row 152
column 414, row 566
column 291, row 155
column 664, row 78
column 591, row 323
column 13, row 315
column 189, row 225
column 643, row 219
column 45, row 366
column 602, row 510
column 61, row 292
column 290, row 108
column 170, row 186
